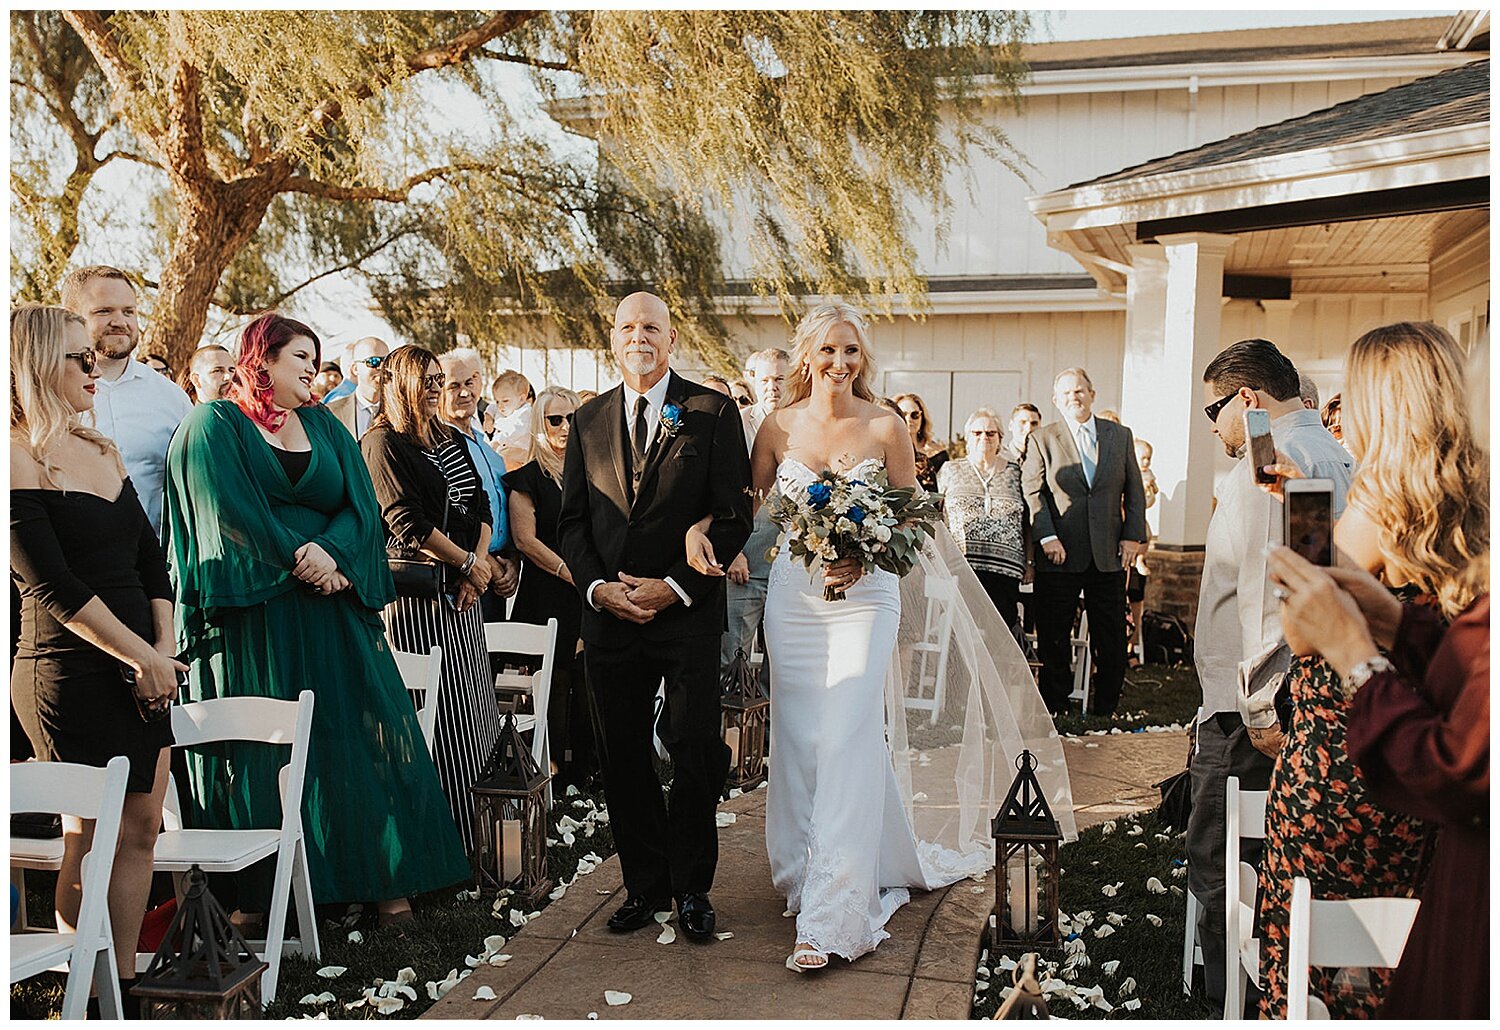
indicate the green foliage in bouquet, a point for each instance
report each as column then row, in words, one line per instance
column 837, row 517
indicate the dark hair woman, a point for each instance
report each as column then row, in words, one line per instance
column 95, row 600
column 276, row 548
column 931, row 454
column 434, row 508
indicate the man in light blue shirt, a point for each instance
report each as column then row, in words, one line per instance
column 463, row 383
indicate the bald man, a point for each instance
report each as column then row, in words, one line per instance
column 646, row 461
column 358, row 406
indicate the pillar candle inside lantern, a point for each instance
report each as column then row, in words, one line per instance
column 1023, row 914
column 508, row 861
column 732, row 738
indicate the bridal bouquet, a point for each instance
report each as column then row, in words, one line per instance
column 840, row 517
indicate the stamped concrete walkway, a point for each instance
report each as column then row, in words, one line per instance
column 564, row 960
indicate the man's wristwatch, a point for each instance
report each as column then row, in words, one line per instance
column 1361, row 673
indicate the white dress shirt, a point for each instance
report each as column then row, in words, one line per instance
column 364, row 414
column 140, row 411
column 656, row 399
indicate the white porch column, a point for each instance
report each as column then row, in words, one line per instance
column 1172, row 331
column 1279, row 322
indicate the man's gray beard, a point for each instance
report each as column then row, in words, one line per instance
column 638, row 364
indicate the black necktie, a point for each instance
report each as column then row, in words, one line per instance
column 638, row 434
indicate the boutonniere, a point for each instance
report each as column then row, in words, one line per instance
column 671, row 419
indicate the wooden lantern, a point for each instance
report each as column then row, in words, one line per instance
column 1026, row 880
column 510, row 818
column 745, row 710
column 213, row 975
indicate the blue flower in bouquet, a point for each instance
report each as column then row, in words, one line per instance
column 857, row 515
column 819, row 494
column 671, row 419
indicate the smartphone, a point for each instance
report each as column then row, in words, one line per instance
column 1307, row 519
column 1258, row 438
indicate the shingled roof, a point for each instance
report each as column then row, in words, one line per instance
column 1355, row 39
column 1459, row 96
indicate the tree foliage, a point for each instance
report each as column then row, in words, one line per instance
column 785, row 148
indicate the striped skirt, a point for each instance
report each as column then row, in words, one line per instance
column 468, row 717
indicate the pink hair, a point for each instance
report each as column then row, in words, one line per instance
column 250, row 385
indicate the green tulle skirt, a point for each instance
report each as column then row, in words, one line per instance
column 375, row 818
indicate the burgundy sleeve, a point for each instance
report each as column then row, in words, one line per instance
column 1419, row 751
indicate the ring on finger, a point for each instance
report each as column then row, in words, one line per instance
column 1280, row 594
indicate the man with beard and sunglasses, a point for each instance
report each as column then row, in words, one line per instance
column 135, row 406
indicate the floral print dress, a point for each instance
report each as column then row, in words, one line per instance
column 1321, row 824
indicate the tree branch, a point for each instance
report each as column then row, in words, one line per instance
column 353, row 262
column 453, row 52
column 390, row 194
column 123, row 82
column 531, row 62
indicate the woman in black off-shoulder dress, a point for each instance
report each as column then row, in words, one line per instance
column 96, row 604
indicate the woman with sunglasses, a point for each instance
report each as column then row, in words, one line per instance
column 276, row 548
column 547, row 588
column 435, row 510
column 986, row 513
column 930, row 453
column 96, row 604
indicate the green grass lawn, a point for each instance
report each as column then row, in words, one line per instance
column 1148, row 954
column 1154, row 695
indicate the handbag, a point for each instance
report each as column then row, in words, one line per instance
column 1177, row 793
column 421, row 578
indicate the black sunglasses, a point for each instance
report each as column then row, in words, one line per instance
column 743, row 401
column 87, row 359
column 556, row 420
column 1212, row 410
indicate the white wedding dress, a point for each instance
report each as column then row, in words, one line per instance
column 854, row 816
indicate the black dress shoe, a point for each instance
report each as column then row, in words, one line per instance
column 695, row 913
column 637, row 913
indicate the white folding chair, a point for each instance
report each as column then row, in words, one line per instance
column 423, row 674
column 269, row 721
column 929, row 656
column 1357, row 933
column 1244, row 816
column 529, row 638
column 85, row 792
column 1192, row 951
column 1083, row 662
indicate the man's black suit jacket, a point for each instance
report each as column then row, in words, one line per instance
column 699, row 469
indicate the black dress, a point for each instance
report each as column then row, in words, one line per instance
column 66, row 548
column 541, row 596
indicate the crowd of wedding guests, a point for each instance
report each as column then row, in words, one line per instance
column 271, row 523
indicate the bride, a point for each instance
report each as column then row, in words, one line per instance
column 846, row 832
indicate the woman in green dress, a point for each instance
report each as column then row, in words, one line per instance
column 275, row 545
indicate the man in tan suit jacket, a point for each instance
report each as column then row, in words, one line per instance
column 358, row 409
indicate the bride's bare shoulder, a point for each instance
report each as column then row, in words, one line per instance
column 884, row 422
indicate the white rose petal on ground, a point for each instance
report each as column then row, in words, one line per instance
column 485, row 994
column 1155, row 886
column 1135, row 831
column 499, row 960
column 1115, row 919
column 616, row 998
column 723, row 935
column 530, row 1015
column 1110, row 967
column 1132, row 1005
column 1128, row 985
column 355, row 937
column 1153, row 918
column 593, row 1015
column 517, row 917
column 667, row 935
column 662, row 917
column 1176, row 890
column 332, row 972
column 723, row 819
column 1104, row 931
column 557, row 892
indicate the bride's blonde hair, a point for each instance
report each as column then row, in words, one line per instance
column 1422, row 476
column 39, row 416
column 811, row 332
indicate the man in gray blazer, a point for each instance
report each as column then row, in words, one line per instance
column 1088, row 518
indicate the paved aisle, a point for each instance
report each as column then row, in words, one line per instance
column 566, row 959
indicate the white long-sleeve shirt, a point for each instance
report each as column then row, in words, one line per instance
column 140, row 411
